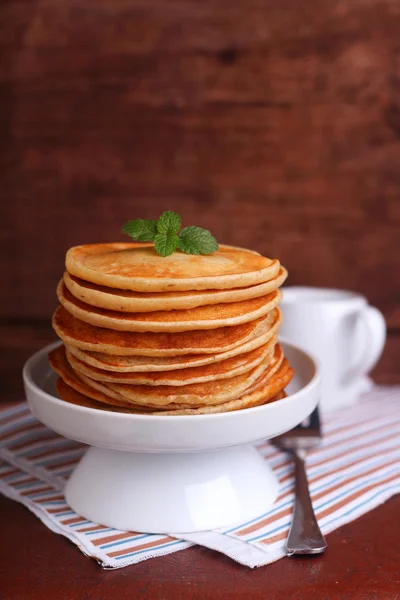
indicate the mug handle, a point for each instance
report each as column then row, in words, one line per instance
column 374, row 323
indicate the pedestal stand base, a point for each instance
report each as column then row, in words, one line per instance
column 171, row 493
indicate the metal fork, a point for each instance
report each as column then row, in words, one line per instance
column 305, row 536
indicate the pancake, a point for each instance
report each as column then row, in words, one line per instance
column 61, row 366
column 128, row 301
column 139, row 268
column 186, row 396
column 260, row 385
column 68, row 394
column 202, row 317
column 275, row 377
column 139, row 364
column 181, row 377
column 75, row 332
column 274, row 365
column 273, row 390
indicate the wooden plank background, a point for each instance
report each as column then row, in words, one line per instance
column 275, row 123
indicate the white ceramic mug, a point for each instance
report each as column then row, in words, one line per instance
column 342, row 331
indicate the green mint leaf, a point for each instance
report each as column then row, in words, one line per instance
column 166, row 237
column 141, row 230
column 196, row 240
column 166, row 244
column 169, row 223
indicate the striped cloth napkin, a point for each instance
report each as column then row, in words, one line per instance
column 356, row 468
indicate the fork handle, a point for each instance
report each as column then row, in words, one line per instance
column 305, row 536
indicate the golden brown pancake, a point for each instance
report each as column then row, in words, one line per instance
column 139, row 268
column 75, row 332
column 128, row 301
column 141, row 364
column 268, row 386
column 202, row 317
column 186, row 396
column 273, row 390
column 68, row 394
column 61, row 366
column 275, row 378
column 181, row 377
column 274, row 365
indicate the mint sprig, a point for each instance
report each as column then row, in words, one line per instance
column 196, row 240
column 141, row 230
column 166, row 244
column 167, row 237
column 168, row 223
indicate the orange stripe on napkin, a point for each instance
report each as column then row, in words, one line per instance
column 8, row 473
column 50, row 498
column 30, row 427
column 15, row 417
column 141, row 547
column 47, row 488
column 115, row 538
column 44, row 453
column 66, row 463
column 91, row 528
column 46, row 438
column 73, row 520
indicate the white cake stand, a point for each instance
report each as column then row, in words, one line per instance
column 180, row 474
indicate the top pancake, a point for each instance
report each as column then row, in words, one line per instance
column 139, row 268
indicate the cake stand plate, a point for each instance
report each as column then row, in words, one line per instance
column 166, row 474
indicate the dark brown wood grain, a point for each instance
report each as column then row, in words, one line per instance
column 362, row 562
column 276, row 125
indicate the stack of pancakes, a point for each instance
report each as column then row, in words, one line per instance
column 178, row 335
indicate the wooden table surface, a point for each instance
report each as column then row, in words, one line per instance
column 361, row 563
